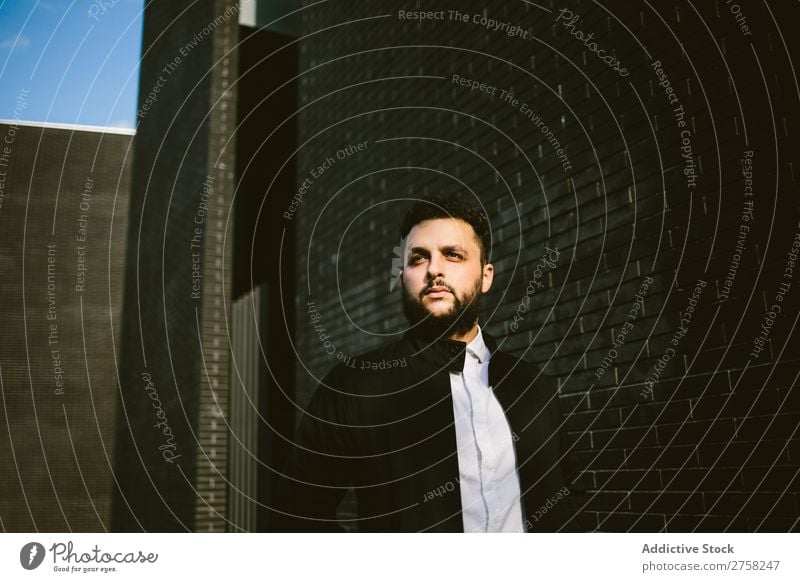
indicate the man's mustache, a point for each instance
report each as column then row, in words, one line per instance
column 433, row 284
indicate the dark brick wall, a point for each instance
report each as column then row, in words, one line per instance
column 172, row 468
column 63, row 218
column 705, row 440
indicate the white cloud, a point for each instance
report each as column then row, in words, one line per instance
column 46, row 6
column 17, row 42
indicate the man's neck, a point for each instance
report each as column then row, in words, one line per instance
column 466, row 337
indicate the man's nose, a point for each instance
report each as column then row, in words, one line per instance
column 436, row 266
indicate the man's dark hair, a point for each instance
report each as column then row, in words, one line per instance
column 451, row 206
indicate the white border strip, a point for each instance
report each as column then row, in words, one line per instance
column 68, row 126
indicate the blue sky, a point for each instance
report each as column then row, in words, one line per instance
column 78, row 60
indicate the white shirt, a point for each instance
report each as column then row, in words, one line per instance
column 486, row 458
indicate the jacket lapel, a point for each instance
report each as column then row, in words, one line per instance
column 424, row 461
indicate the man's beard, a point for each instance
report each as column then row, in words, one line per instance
column 458, row 320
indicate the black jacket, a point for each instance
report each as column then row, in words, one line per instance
column 383, row 423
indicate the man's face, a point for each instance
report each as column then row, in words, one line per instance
column 442, row 278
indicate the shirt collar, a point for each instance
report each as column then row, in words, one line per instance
column 477, row 348
column 450, row 354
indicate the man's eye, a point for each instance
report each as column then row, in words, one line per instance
column 455, row 255
column 414, row 259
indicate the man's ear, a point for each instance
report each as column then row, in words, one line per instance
column 488, row 277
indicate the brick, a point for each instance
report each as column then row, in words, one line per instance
column 693, row 432
column 595, row 419
column 697, row 386
column 630, row 522
column 601, row 459
column 763, row 504
column 627, row 480
column 572, row 403
column 691, row 479
column 727, row 503
column 776, row 525
column 616, row 396
column 782, row 479
column 580, row 441
column 706, row 524
column 590, row 520
column 662, row 457
column 779, row 426
column 735, row 454
column 794, row 451
column 788, row 399
column 607, row 500
column 666, row 502
column 735, row 405
column 624, row 437
column 658, row 413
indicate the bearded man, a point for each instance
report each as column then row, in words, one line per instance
column 439, row 431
